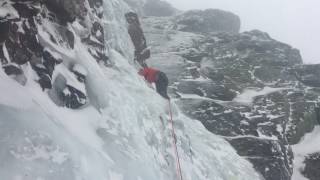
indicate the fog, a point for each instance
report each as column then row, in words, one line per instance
column 295, row 22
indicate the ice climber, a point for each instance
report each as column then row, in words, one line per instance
column 157, row 77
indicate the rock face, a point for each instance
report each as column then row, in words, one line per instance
column 158, row 8
column 241, row 86
column 311, row 170
column 34, row 34
column 67, row 11
column 141, row 52
column 308, row 74
column 206, row 21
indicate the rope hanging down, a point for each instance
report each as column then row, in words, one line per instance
column 179, row 173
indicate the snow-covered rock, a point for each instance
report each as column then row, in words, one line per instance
column 118, row 134
column 308, row 74
column 207, row 21
column 240, row 86
column 158, row 8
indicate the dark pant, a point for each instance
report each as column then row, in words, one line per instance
column 162, row 84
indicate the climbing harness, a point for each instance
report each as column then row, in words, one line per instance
column 174, row 139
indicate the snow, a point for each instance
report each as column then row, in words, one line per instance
column 308, row 145
column 70, row 77
column 199, row 79
column 7, row 11
column 193, row 96
column 247, row 96
column 11, row 91
column 80, row 69
column 5, row 52
column 125, row 141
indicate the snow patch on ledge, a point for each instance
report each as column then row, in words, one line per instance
column 248, row 95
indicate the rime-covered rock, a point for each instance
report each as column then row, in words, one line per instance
column 74, row 98
column 158, row 8
column 68, row 91
column 207, row 21
column 33, row 33
column 240, row 86
column 308, row 74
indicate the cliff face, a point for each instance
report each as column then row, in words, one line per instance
column 241, row 86
column 72, row 105
column 158, row 8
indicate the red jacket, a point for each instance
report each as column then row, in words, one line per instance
column 149, row 74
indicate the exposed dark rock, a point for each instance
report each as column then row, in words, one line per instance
column 95, row 3
column 70, row 38
column 64, row 94
column 4, row 31
column 96, row 6
column 206, row 89
column 98, row 32
column 100, row 56
column 44, row 76
column 312, row 168
column 219, row 119
column 67, row 11
column 210, row 20
column 308, row 74
column 74, row 98
column 29, row 38
column 49, row 62
column 271, row 168
column 17, row 53
column 27, row 10
column 270, row 157
column 80, row 72
column 303, row 118
column 141, row 52
column 12, row 69
column 45, row 81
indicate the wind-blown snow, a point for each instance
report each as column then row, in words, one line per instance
column 308, row 145
column 118, row 136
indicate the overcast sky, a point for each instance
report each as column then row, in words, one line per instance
column 296, row 22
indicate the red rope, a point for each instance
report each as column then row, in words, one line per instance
column 175, row 144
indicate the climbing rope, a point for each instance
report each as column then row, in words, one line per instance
column 178, row 166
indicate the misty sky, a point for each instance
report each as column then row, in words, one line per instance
column 296, row 22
